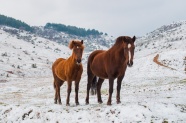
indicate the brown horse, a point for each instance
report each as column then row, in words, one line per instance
column 110, row 64
column 68, row 70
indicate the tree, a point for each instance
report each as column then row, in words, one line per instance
column 72, row 29
column 11, row 22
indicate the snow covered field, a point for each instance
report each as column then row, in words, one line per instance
column 153, row 100
column 149, row 92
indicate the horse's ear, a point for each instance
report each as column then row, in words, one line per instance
column 82, row 41
column 71, row 45
column 134, row 38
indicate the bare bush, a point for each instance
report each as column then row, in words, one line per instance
column 4, row 54
column 34, row 66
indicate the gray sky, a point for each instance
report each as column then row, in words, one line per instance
column 115, row 17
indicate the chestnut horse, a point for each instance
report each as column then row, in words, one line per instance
column 68, row 70
column 110, row 64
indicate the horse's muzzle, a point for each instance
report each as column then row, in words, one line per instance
column 130, row 64
column 78, row 61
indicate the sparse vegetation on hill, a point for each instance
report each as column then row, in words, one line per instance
column 72, row 29
column 50, row 30
column 11, row 22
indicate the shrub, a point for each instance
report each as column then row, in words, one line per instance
column 34, row 66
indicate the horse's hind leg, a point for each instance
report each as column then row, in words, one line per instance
column 57, row 84
column 55, row 98
column 90, row 78
column 58, row 92
column 99, row 84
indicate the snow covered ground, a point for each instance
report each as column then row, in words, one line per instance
column 149, row 93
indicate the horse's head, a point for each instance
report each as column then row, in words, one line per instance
column 77, row 47
column 129, row 49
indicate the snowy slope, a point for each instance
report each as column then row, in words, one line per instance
column 167, row 41
column 19, row 56
column 150, row 92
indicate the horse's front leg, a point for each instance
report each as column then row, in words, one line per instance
column 76, row 92
column 90, row 78
column 119, row 80
column 111, row 83
column 68, row 92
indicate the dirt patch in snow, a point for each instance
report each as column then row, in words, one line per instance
column 159, row 63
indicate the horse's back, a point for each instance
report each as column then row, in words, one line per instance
column 96, row 63
column 55, row 65
column 93, row 54
column 57, row 62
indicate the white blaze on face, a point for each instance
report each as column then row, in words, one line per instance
column 129, row 46
column 77, row 47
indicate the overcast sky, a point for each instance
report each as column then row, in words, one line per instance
column 115, row 17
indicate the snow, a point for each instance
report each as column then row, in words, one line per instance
column 149, row 92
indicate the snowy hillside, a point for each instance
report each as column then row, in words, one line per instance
column 32, row 58
column 22, row 50
column 153, row 90
column 169, row 42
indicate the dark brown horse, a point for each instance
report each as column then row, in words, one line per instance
column 110, row 64
column 68, row 70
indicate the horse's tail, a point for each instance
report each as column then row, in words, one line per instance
column 54, row 85
column 93, row 83
column 94, row 86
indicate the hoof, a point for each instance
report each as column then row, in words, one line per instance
column 86, row 101
column 100, row 102
column 118, row 102
column 77, row 103
column 68, row 104
column 55, row 101
column 60, row 102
